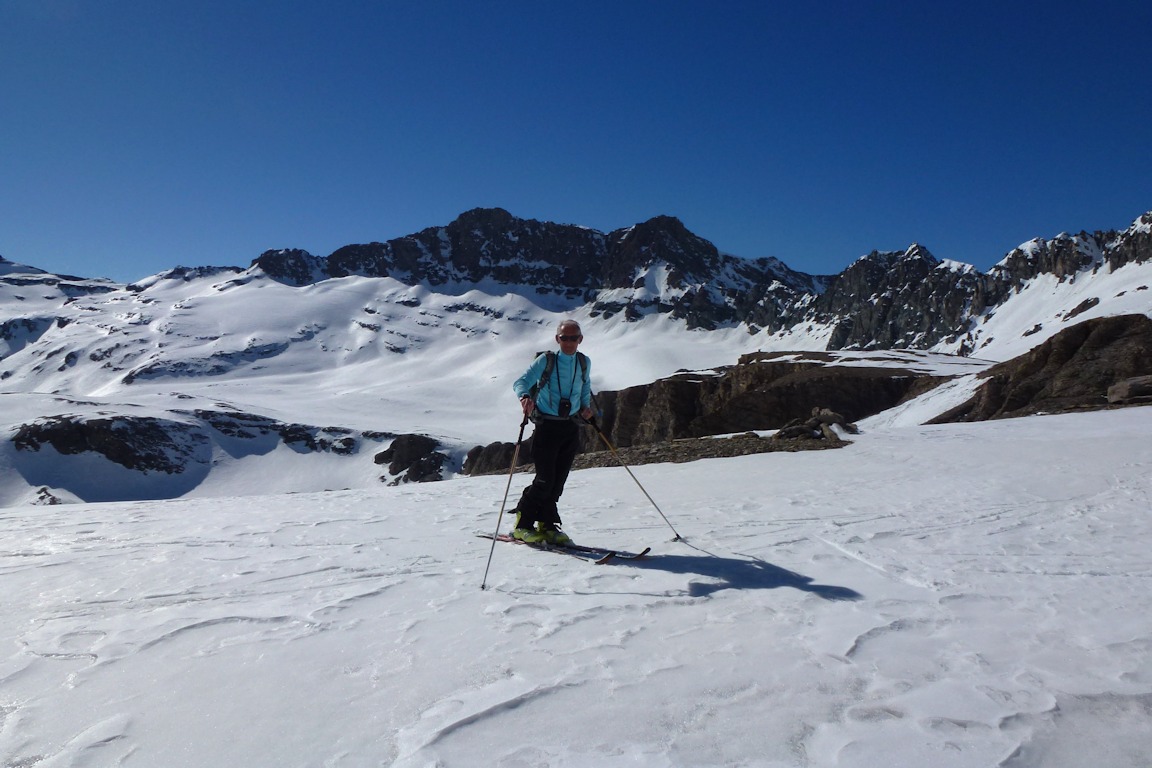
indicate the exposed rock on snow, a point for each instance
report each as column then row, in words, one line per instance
column 182, row 441
column 1075, row 369
column 141, row 443
column 822, row 426
column 763, row 391
column 413, row 459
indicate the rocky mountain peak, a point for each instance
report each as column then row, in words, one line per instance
column 660, row 239
column 486, row 219
column 1134, row 245
column 292, row 265
column 1062, row 256
column 918, row 252
column 492, row 244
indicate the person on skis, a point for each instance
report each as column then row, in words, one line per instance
column 554, row 393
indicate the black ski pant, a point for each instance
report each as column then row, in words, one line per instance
column 554, row 448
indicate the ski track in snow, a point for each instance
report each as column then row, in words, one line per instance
column 969, row 595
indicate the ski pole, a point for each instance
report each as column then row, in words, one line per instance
column 500, row 517
column 617, row 455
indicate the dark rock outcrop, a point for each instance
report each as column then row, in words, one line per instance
column 304, row 438
column 1072, row 370
column 149, row 444
column 821, row 426
column 682, row 451
column 762, row 392
column 140, row 443
column 496, row 457
column 293, row 266
column 1062, row 256
column 413, row 459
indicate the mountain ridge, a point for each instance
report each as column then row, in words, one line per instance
column 917, row 300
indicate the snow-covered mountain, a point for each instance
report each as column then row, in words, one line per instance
column 327, row 359
column 952, row 595
column 884, row 300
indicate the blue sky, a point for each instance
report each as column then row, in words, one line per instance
column 136, row 136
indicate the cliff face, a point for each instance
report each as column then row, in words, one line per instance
column 760, row 393
column 897, row 300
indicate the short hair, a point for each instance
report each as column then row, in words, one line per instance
column 568, row 324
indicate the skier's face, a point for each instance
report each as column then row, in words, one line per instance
column 569, row 338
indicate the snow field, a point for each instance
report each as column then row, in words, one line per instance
column 961, row 595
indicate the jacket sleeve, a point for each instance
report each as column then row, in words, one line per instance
column 530, row 378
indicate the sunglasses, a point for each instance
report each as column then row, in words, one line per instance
column 569, row 338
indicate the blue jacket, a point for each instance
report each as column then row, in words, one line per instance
column 567, row 381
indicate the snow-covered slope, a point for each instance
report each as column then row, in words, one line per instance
column 959, row 596
column 1044, row 304
column 367, row 354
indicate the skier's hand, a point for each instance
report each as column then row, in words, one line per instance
column 587, row 414
column 527, row 404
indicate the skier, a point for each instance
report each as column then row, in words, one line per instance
column 554, row 392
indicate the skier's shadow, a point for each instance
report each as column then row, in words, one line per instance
column 740, row 573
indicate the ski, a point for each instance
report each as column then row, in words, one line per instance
column 598, row 555
column 616, row 553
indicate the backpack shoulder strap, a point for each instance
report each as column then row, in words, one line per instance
column 549, row 365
